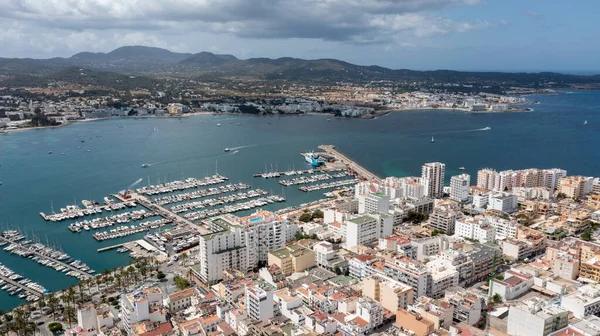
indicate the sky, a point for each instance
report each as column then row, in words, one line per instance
column 478, row 35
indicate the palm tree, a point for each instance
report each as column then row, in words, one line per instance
column 53, row 304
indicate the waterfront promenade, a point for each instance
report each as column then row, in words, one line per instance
column 360, row 170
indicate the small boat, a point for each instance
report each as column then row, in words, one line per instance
column 227, row 149
column 585, row 122
column 89, row 150
column 486, row 128
column 0, row 182
column 218, row 124
column 432, row 139
column 461, row 168
column 120, row 126
column 50, row 152
column 62, row 153
column 145, row 165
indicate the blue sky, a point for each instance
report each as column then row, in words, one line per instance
column 498, row 35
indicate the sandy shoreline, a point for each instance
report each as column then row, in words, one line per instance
column 378, row 113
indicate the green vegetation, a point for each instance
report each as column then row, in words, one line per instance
column 561, row 195
column 436, row 232
column 499, row 277
column 415, row 217
column 181, row 283
column 39, row 119
column 160, row 275
column 55, row 327
column 496, row 298
column 587, row 234
column 337, row 270
column 307, row 216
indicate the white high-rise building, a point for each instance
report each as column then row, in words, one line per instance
column 259, row 303
column 432, row 177
column 552, row 176
column 459, row 187
column 242, row 243
column 367, row 229
column 373, row 203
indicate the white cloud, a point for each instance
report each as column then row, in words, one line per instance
column 100, row 24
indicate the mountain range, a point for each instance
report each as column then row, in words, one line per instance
column 150, row 61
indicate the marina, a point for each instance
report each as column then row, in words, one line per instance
column 14, row 284
column 99, row 223
column 124, row 231
column 218, row 201
column 313, row 178
column 234, row 208
column 166, row 200
column 334, row 184
column 44, row 255
column 90, row 208
column 189, row 183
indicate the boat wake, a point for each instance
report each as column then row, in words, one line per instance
column 241, row 147
column 462, row 131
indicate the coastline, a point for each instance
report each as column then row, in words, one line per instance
column 378, row 113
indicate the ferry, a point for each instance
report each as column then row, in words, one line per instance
column 313, row 159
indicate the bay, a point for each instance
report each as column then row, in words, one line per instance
column 553, row 135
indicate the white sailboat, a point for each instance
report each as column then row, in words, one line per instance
column 432, row 139
column 585, row 122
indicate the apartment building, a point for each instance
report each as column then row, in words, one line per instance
column 476, row 228
column 432, row 178
column 367, row 229
column 392, row 294
column 241, row 243
column 292, row 258
column 502, row 202
column 410, row 272
column 467, row 305
column 182, row 299
column 443, row 276
column 373, row 203
column 583, row 302
column 459, row 187
column 146, row 305
column 536, row 317
column 444, row 219
column 259, row 302
column 575, row 186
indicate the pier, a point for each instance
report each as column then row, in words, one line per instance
column 360, row 171
column 157, row 209
column 107, row 248
column 276, row 174
column 76, row 270
column 23, row 287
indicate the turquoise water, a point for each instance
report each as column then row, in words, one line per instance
column 396, row 144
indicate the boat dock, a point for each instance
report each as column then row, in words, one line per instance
column 360, row 171
column 25, row 288
column 276, row 174
column 107, row 248
column 81, row 273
